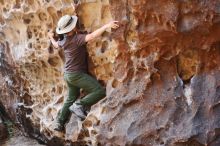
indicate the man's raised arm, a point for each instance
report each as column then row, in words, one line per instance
column 98, row 32
column 53, row 41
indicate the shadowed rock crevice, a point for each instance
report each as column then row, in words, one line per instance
column 3, row 126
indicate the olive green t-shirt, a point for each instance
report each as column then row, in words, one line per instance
column 75, row 53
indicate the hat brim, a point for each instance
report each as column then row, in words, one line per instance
column 69, row 27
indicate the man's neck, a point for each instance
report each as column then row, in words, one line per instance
column 72, row 33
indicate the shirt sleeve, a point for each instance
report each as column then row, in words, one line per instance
column 81, row 39
column 59, row 43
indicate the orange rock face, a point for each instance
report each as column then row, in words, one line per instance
column 161, row 70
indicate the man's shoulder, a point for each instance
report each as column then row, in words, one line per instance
column 65, row 40
column 80, row 39
column 79, row 35
column 61, row 43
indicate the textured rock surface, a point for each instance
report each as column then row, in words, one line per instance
column 161, row 70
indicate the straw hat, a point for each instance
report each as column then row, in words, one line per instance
column 66, row 24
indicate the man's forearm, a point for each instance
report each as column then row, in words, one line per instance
column 99, row 31
column 96, row 33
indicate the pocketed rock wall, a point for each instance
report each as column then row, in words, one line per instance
column 161, row 70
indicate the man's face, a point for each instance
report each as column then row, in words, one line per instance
column 71, row 32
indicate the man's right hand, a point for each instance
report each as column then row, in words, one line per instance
column 98, row 32
column 53, row 41
column 113, row 24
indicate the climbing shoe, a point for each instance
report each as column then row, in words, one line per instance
column 78, row 110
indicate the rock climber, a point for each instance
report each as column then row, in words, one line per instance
column 76, row 67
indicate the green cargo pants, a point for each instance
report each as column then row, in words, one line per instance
column 75, row 81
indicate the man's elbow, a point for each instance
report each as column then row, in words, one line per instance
column 89, row 37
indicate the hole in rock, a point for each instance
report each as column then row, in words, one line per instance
column 2, row 21
column 187, row 63
column 59, row 13
column 29, row 35
column 89, row 143
column 38, row 47
column 47, row 133
column 87, row 123
column 115, row 83
column 5, row 10
column 27, row 99
column 55, row 141
column 27, row 21
column 104, row 46
column 98, row 44
column 53, row 61
column 110, row 129
column 98, row 123
column 43, row 64
column 59, row 89
column 2, row 2
column 29, row 111
column 50, row 49
column 60, row 100
column 57, row 74
column 30, row 2
column 42, row 16
column 105, row 34
column 93, row 132
column 44, row 94
column 40, row 35
column 53, row 89
column 34, row 60
column 17, row 4
column 26, row 9
column 30, row 45
column 84, row 133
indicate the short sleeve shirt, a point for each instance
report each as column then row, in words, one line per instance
column 75, row 53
